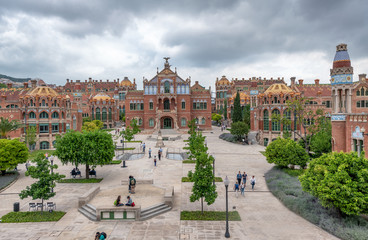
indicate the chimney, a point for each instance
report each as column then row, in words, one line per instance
column 316, row 81
column 34, row 83
column 271, row 78
column 107, row 80
column 89, row 79
column 100, row 80
column 25, row 84
column 67, row 80
column 85, row 81
column 114, row 80
column 362, row 77
column 292, row 79
column 71, row 81
column 9, row 85
column 118, row 80
column 300, row 81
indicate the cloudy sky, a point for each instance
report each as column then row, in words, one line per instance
column 54, row 40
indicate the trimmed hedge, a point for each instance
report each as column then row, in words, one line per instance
column 18, row 217
column 209, row 216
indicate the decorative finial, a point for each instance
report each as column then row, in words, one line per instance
column 167, row 65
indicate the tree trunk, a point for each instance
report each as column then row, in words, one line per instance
column 202, row 204
column 87, row 171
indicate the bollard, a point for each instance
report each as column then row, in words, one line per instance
column 124, row 166
column 16, row 207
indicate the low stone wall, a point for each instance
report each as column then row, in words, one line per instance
column 169, row 196
column 118, row 213
column 137, row 181
column 85, row 198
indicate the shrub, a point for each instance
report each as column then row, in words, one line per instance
column 239, row 129
column 283, row 152
column 339, row 180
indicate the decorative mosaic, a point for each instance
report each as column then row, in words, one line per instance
column 342, row 79
column 338, row 117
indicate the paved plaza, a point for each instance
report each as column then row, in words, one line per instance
column 263, row 216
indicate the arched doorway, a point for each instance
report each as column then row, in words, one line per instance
column 167, row 123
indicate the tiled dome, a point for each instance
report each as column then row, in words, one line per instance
column 278, row 88
column 223, row 81
column 126, row 82
column 43, row 91
column 342, row 58
column 101, row 97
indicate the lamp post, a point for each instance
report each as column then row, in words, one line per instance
column 227, row 234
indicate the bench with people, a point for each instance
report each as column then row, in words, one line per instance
column 93, row 173
column 75, row 172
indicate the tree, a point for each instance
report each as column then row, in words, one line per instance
column 284, row 152
column 237, row 114
column 6, row 127
column 339, row 180
column 12, row 152
column 98, row 123
column 47, row 178
column 225, row 109
column 31, row 136
column 239, row 129
column 216, row 117
column 321, row 141
column 134, row 126
column 89, row 148
column 246, row 115
column 195, row 141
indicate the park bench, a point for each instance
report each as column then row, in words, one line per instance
column 93, row 173
column 74, row 173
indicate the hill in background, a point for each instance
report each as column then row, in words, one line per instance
column 15, row 79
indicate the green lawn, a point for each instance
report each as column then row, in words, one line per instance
column 17, row 217
column 130, row 148
column 209, row 216
column 189, row 161
column 137, row 141
column 115, row 162
column 81, row 180
column 33, row 154
column 8, row 178
column 186, row 179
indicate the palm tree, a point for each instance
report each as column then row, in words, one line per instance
column 7, row 126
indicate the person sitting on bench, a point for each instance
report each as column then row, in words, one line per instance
column 130, row 202
column 92, row 172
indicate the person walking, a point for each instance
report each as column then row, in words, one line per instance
column 155, row 160
column 236, row 189
column 161, row 152
column 144, row 147
column 244, row 176
column 239, row 177
column 149, row 152
column 253, row 182
column 132, row 185
column 27, row 165
column 242, row 188
column 159, row 155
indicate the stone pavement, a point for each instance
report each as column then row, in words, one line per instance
column 263, row 216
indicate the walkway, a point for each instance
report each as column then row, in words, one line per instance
column 263, row 216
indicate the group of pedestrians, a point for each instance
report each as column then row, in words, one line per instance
column 241, row 182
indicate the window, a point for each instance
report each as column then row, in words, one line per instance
column 44, row 145
column 121, row 96
column 266, row 125
column 183, row 105
column 44, row 115
column 166, row 104
column 167, row 87
column 265, row 142
column 55, row 115
column 151, row 122
column 98, row 114
column 104, row 114
column 55, row 103
column 140, row 122
column 43, row 103
column 62, row 115
column 44, row 128
column 183, row 122
column 151, row 105
column 203, row 121
column 276, row 124
column 55, row 127
column 362, row 92
column 358, row 104
column 287, row 116
column 74, row 123
column 110, row 114
column 32, row 115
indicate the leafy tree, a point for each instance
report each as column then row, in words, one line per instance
column 237, row 114
column 86, row 119
column 98, row 123
column 89, row 148
column 339, row 180
column 246, row 115
column 283, row 152
column 12, row 152
column 321, row 141
column 31, row 136
column 216, row 117
column 92, row 126
column 42, row 188
column 239, row 129
column 7, row 126
column 195, row 141
column 225, row 109
column 122, row 116
column 3, row 85
column 134, row 126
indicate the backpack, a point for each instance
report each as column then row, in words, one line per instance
column 116, row 202
column 132, row 181
column 104, row 234
column 133, row 204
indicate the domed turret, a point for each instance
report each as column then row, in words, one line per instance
column 42, row 91
column 126, row 82
column 223, row 81
column 101, row 97
column 278, row 88
column 342, row 71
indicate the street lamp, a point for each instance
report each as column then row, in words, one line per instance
column 227, row 234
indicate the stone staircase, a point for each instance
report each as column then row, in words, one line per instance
column 89, row 211
column 154, row 210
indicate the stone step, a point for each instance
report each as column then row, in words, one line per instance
column 90, row 207
column 156, row 213
column 152, row 207
column 152, row 210
column 90, row 215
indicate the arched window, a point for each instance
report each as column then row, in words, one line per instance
column 44, row 145
column 266, row 124
column 203, row 121
column 362, row 92
column 104, row 114
column 53, row 143
column 98, row 114
column 43, row 103
column 31, row 103
column 196, row 121
column 358, row 93
column 287, row 115
column 183, row 122
column 32, row 115
column 151, row 122
column 275, row 123
column 110, row 114
column 62, row 115
column 166, row 104
column 44, row 115
column 74, row 123
column 140, row 122
column 55, row 115
column 167, row 87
